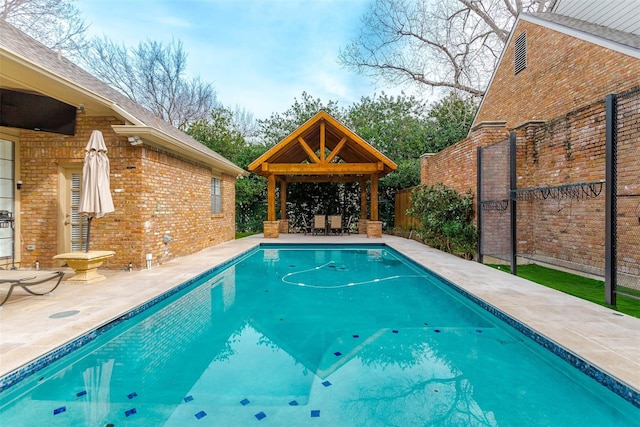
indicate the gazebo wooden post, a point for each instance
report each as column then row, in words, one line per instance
column 284, row 221
column 271, row 198
column 362, row 222
column 271, row 225
column 374, row 227
column 374, row 197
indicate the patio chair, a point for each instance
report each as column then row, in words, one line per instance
column 319, row 224
column 26, row 279
column 306, row 227
column 347, row 226
column 335, row 224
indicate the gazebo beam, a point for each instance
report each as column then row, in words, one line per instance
column 320, row 169
column 321, row 178
column 322, row 140
column 336, row 149
column 308, row 150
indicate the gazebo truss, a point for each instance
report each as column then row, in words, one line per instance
column 322, row 150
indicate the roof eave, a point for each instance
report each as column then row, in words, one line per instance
column 160, row 139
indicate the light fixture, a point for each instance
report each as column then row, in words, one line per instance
column 19, row 185
column 134, row 140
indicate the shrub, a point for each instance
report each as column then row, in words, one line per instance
column 446, row 217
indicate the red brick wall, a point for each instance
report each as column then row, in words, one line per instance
column 556, row 105
column 567, row 150
column 455, row 166
column 155, row 193
column 563, row 74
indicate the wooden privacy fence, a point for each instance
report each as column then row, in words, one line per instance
column 402, row 203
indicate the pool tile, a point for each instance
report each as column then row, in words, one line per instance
column 59, row 410
column 395, row 331
column 326, row 383
column 81, row 393
column 260, row 415
column 356, row 336
column 132, row 395
column 337, row 353
column 315, row 413
column 188, row 398
column 245, row 402
column 130, row 412
column 200, row 414
column 293, row 403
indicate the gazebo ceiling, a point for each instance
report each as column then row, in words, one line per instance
column 322, row 149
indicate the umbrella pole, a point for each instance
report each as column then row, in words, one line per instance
column 88, row 233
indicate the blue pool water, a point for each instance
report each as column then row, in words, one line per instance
column 322, row 335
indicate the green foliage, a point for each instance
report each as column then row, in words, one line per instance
column 307, row 199
column 217, row 133
column 279, row 126
column 403, row 128
column 395, row 126
column 450, row 120
column 446, row 217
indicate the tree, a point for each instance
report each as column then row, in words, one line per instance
column 55, row 23
column 395, row 126
column 152, row 75
column 218, row 133
column 438, row 44
column 450, row 119
column 279, row 126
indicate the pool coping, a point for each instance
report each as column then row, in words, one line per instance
column 620, row 387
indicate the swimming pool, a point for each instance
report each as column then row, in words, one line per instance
column 325, row 335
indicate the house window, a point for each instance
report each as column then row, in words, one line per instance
column 520, row 53
column 216, row 196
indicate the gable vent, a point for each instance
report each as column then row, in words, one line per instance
column 520, row 53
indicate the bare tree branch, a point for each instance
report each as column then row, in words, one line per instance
column 438, row 44
column 152, row 74
column 55, row 23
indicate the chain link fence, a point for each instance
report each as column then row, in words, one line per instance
column 627, row 194
column 494, row 213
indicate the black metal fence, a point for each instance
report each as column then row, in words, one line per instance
column 494, row 201
column 592, row 226
column 623, row 199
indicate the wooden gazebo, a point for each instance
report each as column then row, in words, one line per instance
column 322, row 150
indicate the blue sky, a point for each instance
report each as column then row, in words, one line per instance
column 259, row 54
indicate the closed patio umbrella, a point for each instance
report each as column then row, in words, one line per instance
column 95, row 199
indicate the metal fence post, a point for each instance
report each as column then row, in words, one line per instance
column 512, row 202
column 478, row 201
column 610, row 272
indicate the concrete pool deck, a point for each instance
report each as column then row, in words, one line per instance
column 31, row 326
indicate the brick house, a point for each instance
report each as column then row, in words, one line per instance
column 172, row 195
column 549, row 88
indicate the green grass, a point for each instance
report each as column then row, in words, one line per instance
column 578, row 286
column 245, row 234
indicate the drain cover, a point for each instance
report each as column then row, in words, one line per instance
column 62, row 314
